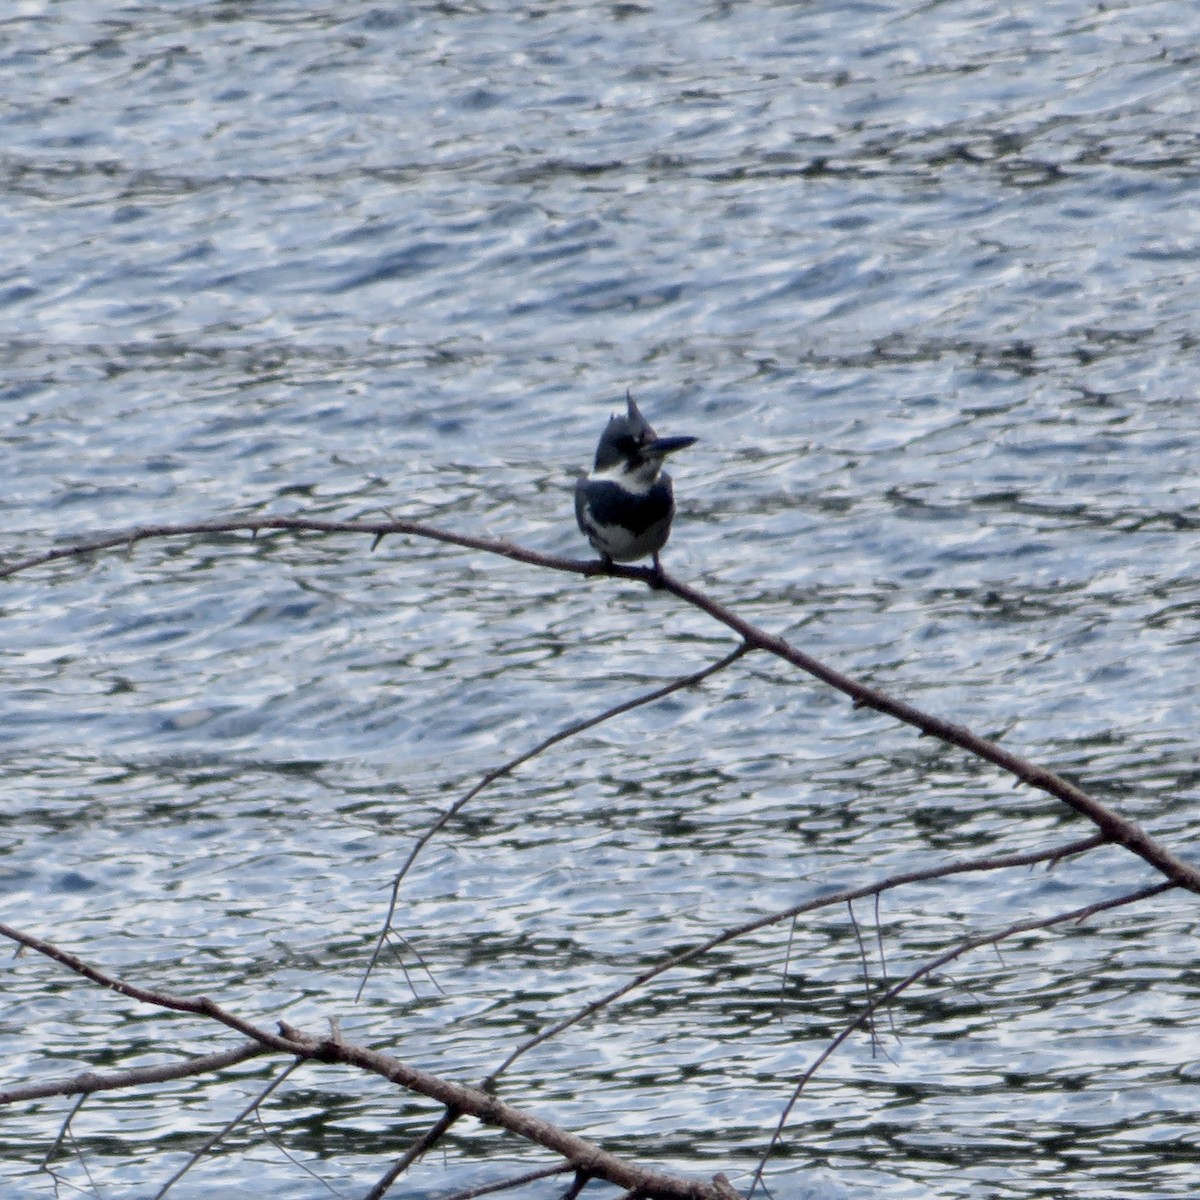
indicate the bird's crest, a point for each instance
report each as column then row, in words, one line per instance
column 623, row 435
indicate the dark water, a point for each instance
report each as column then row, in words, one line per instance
column 924, row 280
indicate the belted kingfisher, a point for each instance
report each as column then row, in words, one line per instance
column 625, row 505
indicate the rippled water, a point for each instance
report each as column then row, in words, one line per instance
column 923, row 279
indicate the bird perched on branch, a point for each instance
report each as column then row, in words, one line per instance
column 625, row 505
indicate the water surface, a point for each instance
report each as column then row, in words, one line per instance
column 923, row 280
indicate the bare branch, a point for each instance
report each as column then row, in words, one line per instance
column 227, row 1128
column 376, row 529
column 507, row 768
column 1115, row 827
column 584, row 1158
column 934, row 964
column 584, row 1155
column 421, row 1146
column 286, row 1153
column 517, row 1181
column 994, row 863
column 88, row 1082
column 201, row 1006
column 457, row 1098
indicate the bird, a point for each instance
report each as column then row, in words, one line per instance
column 624, row 505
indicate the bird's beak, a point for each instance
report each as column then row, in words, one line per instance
column 661, row 447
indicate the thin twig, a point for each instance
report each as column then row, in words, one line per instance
column 866, row 970
column 83, row 1166
column 283, row 1150
column 421, row 1146
column 993, row 863
column 505, row 1185
column 63, row 1130
column 883, row 969
column 227, row 1128
column 787, row 963
column 561, row 735
column 412, row 987
column 964, row 947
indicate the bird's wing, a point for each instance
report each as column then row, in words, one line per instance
column 608, row 504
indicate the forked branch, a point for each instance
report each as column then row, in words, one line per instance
column 585, row 1157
